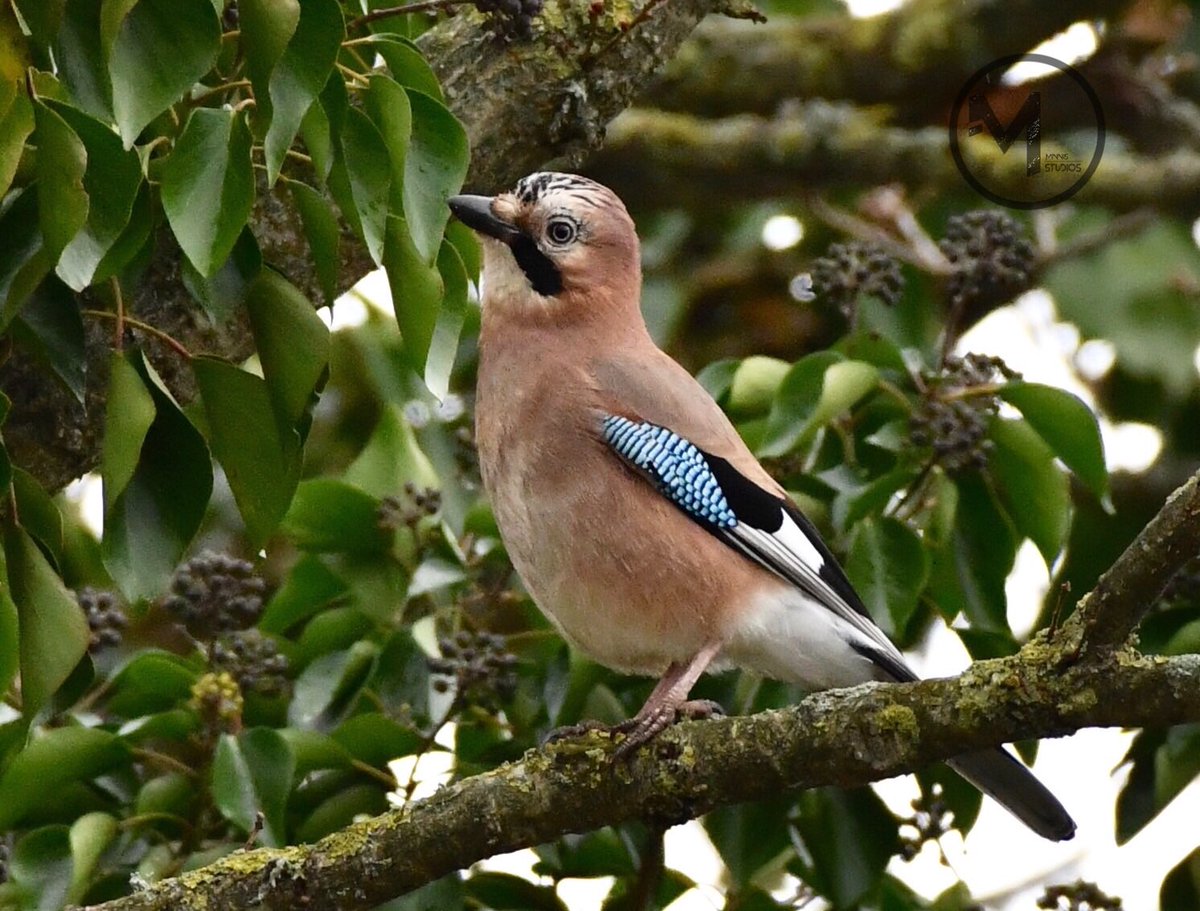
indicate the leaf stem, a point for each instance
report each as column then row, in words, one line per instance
column 197, row 100
column 163, row 337
column 164, row 760
column 422, row 6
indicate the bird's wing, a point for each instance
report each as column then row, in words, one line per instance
column 764, row 527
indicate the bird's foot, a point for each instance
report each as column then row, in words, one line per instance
column 567, row 731
column 653, row 720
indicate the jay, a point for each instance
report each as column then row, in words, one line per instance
column 632, row 510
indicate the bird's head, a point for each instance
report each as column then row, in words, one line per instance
column 556, row 243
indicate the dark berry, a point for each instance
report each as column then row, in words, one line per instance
column 991, row 258
column 215, row 593
column 478, row 666
column 931, row 820
column 956, row 409
column 253, row 660
column 1078, row 896
column 105, row 616
column 852, row 270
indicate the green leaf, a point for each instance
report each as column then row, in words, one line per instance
column 223, row 294
column 16, row 123
column 80, row 55
column 42, row 17
column 850, row 837
column 10, row 635
column 156, row 50
column 300, row 75
column 717, row 377
column 1181, row 888
column 309, row 587
column 416, row 292
column 341, row 809
column 1068, row 425
column 323, row 235
column 797, row 398
column 376, row 739
column 261, row 458
column 50, row 329
column 130, row 412
column 61, row 162
column 507, row 892
column 366, row 166
column 328, row 688
column 151, row 682
column 90, row 836
column 208, row 186
column 149, row 524
column 888, row 566
column 112, row 180
column 754, row 384
column 38, row 513
column 969, row 570
column 293, row 346
column 386, row 103
column 391, row 458
column 252, row 774
column 443, row 346
column 330, row 515
column 41, row 866
column 24, row 259
column 54, row 633
column 407, row 64
column 434, row 170
column 266, row 28
column 1034, row 491
column 749, row 836
column 50, row 761
column 445, row 894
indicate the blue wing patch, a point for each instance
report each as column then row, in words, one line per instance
column 677, row 467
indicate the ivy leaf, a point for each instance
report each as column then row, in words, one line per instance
column 90, row 836
column 323, row 235
column 1069, row 426
column 42, row 17
column 50, row 328
column 293, row 346
column 261, row 457
column 127, row 420
column 361, row 180
column 266, row 28
column 888, row 566
column 330, row 515
column 156, row 51
column 150, row 521
column 54, row 634
column 416, row 292
column 252, row 774
column 208, row 186
column 388, row 107
column 24, row 258
column 434, row 170
column 443, row 346
column 112, row 179
column 16, row 123
column 407, row 64
column 1033, row 489
column 61, row 162
column 300, row 75
column 80, row 55
column 817, row 388
column 850, row 836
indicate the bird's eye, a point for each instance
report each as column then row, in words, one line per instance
column 561, row 232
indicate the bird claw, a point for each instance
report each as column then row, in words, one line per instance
column 644, row 729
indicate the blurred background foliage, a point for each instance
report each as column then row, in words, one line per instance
column 296, row 582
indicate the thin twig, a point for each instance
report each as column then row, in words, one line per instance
column 864, row 230
column 424, row 6
column 119, row 329
column 167, row 340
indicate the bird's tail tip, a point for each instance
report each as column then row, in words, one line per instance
column 1003, row 778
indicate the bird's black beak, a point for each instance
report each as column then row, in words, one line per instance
column 476, row 213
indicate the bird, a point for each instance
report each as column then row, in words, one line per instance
column 638, row 520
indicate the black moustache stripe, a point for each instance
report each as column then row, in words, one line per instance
column 543, row 275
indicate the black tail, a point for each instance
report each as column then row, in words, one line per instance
column 1002, row 777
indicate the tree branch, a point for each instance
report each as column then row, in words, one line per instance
column 844, row 738
column 915, row 58
column 678, row 159
column 1105, row 616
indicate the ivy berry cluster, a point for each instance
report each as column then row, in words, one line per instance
column 850, row 270
column 958, row 404
column 214, row 593
column 991, row 258
column 479, row 667
column 511, row 18
column 106, row 618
